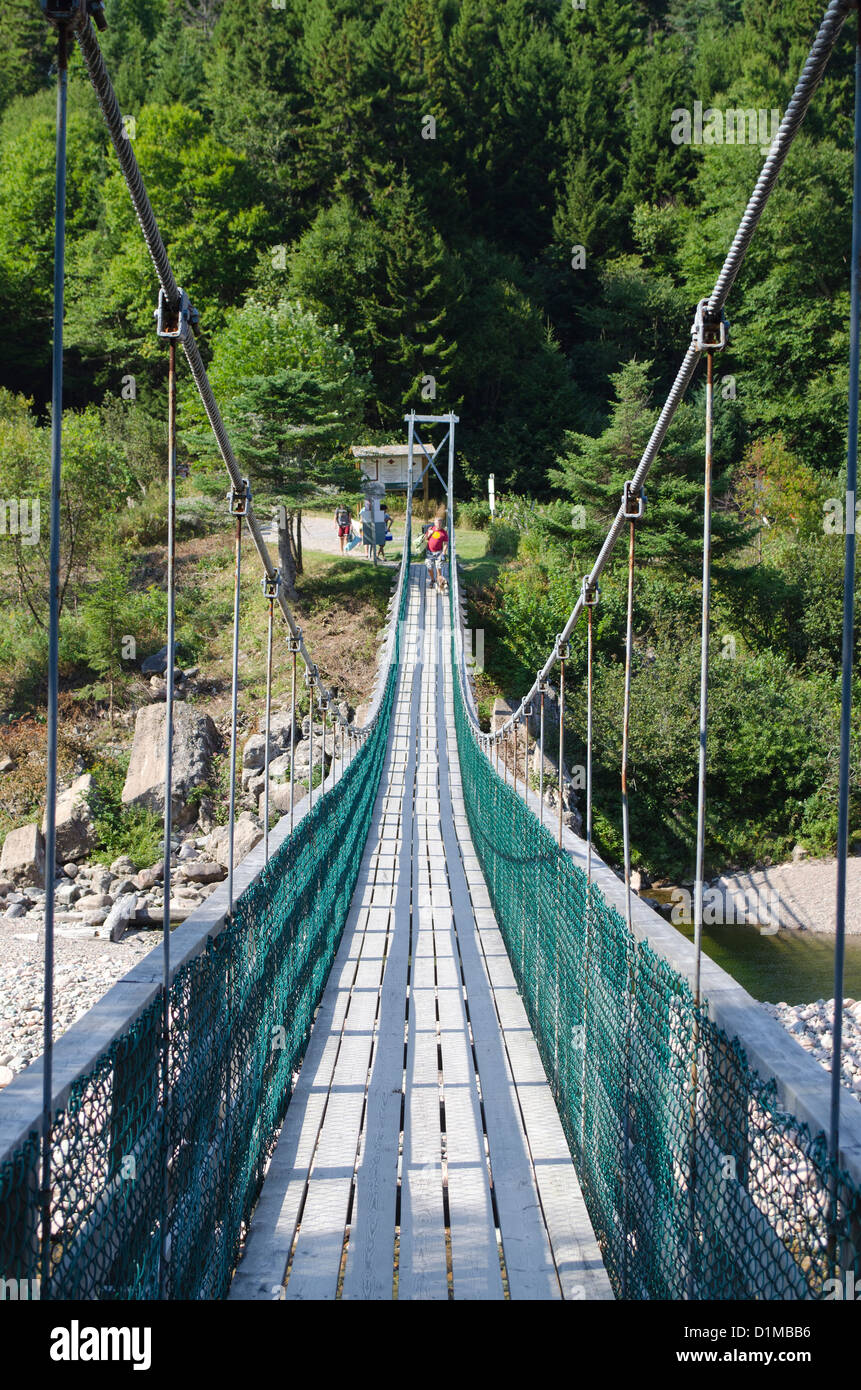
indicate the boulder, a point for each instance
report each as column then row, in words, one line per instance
column 93, row 902
column 124, row 866
column 279, row 798
column 7, row 764
column 247, row 833
column 279, row 768
column 148, row 878
column 23, row 856
column 279, row 728
column 121, row 888
column 202, row 872
column 194, row 741
column 156, row 665
column 254, row 751
column 76, row 831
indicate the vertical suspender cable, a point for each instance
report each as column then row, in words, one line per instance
column 626, row 714
column 168, row 796
column 541, row 767
column 310, row 745
column 323, row 750
column 701, row 818
column 561, row 738
column 589, row 672
column 293, row 651
column 704, row 677
column 626, row 836
column 270, row 622
column 53, row 647
column 234, row 707
column 848, row 633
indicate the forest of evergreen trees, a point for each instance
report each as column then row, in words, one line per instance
column 418, row 173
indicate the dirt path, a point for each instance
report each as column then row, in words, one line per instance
column 320, row 533
column 806, row 892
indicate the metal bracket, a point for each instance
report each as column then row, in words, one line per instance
column 562, row 650
column 174, row 324
column 311, row 674
column 525, row 713
column 272, row 587
column 709, row 331
column 239, row 500
column 294, row 644
column 590, row 593
column 62, row 12
column 634, row 505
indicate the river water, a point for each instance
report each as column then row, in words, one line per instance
column 789, row 967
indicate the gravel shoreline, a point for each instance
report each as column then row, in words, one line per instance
column 812, row 1026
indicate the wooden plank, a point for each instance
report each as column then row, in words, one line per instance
column 369, row 1272
column 422, row 1263
column 474, row 1250
column 319, row 1245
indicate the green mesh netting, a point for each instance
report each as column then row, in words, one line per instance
column 241, row 1013
column 728, row 1200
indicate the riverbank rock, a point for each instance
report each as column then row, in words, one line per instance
column 76, row 831
column 194, row 741
column 23, row 856
column 247, row 833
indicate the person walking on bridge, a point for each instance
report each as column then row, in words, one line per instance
column 437, row 543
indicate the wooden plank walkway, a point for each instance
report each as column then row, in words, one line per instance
column 422, row 1156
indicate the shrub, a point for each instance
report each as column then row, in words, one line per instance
column 475, row 516
column 131, row 830
column 502, row 539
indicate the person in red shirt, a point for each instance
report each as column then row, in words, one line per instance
column 437, row 543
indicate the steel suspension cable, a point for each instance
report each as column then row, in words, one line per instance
column 626, row 719
column 168, row 794
column 53, row 648
column 704, row 677
column 270, row 621
column 234, row 709
column 541, row 754
column 847, row 647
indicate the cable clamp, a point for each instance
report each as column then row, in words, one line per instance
column 709, row 331
column 240, row 499
column 633, row 504
column 73, row 12
column 174, row 324
column 294, row 644
column 272, row 586
column 562, row 650
column 590, row 592
column 311, row 674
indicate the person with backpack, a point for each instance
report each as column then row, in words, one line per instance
column 343, row 521
column 437, row 547
column 387, row 519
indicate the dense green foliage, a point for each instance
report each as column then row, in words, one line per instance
column 418, row 173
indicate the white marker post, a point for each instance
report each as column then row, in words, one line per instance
column 491, row 492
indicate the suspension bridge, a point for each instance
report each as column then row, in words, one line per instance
column 422, row 1043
